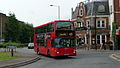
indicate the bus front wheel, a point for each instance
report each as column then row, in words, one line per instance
column 48, row 52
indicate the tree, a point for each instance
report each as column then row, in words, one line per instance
column 18, row 32
column 12, row 28
column 26, row 33
column 115, row 39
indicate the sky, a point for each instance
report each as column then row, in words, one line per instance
column 38, row 12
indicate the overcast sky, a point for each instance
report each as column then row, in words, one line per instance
column 38, row 12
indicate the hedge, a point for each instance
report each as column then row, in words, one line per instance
column 13, row 44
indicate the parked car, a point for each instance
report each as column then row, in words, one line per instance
column 30, row 45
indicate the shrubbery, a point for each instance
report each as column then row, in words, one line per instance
column 18, row 31
column 13, row 44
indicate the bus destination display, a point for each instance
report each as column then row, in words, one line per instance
column 64, row 33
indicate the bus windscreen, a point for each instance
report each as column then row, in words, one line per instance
column 64, row 43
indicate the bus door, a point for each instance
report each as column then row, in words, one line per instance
column 48, row 43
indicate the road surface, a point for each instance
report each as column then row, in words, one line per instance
column 84, row 59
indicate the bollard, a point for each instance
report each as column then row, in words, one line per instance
column 12, row 52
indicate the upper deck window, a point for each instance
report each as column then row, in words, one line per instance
column 45, row 29
column 64, row 26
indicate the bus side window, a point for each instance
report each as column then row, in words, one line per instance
column 48, row 28
column 53, row 43
column 45, row 43
column 40, row 43
column 52, row 27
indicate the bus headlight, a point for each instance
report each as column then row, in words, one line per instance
column 74, row 51
column 58, row 52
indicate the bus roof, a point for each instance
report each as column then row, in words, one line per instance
column 54, row 22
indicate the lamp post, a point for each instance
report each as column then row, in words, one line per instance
column 58, row 10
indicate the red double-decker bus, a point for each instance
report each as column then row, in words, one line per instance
column 55, row 38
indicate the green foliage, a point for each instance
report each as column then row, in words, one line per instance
column 18, row 32
column 12, row 29
column 115, row 26
column 26, row 33
column 11, row 44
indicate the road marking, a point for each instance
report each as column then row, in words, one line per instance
column 112, row 56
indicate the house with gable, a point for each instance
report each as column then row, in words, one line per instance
column 92, row 23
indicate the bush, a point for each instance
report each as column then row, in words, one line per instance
column 13, row 44
column 10, row 44
column 1, row 45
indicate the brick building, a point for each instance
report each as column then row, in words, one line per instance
column 114, row 6
column 116, row 11
column 92, row 26
column 3, row 20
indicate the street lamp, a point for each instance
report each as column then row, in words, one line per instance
column 58, row 10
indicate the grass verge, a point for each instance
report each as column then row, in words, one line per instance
column 4, row 56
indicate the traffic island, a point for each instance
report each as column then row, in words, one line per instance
column 24, row 59
column 5, row 56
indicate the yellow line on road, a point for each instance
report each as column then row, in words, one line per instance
column 112, row 56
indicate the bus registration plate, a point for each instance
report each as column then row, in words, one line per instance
column 66, row 54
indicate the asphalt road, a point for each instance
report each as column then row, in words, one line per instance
column 84, row 59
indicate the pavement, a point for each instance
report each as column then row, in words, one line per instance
column 26, row 58
column 115, row 56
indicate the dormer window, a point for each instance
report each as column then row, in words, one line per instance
column 81, row 12
column 101, row 8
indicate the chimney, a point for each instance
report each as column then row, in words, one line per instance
column 71, row 12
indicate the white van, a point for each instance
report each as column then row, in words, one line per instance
column 30, row 45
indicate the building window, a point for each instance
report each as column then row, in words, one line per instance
column 81, row 24
column 88, row 23
column 101, row 24
column 81, row 12
column 101, row 39
column 78, row 24
column 98, row 24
